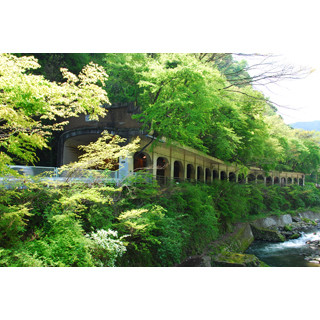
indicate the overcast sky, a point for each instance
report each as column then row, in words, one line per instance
column 299, row 97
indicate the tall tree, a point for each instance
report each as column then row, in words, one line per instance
column 31, row 106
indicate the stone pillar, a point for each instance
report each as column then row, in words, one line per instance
column 171, row 168
column 303, row 180
column 272, row 180
column 154, row 166
column 265, row 180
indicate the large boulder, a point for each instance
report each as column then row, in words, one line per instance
column 232, row 259
column 309, row 215
column 267, row 234
column 238, row 241
column 272, row 222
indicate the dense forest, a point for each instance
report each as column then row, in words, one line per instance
column 205, row 101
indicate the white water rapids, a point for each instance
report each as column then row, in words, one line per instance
column 290, row 253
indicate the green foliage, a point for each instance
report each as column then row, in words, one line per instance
column 152, row 226
column 106, row 247
column 288, row 227
column 13, row 220
column 64, row 244
column 32, row 107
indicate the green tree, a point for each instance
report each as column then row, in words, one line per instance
column 31, row 107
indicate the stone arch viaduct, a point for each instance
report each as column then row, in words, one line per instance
column 163, row 161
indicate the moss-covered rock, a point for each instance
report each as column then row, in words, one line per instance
column 232, row 259
column 267, row 234
column 237, row 241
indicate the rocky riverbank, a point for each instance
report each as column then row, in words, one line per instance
column 229, row 249
column 296, row 227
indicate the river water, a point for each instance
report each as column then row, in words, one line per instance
column 290, row 253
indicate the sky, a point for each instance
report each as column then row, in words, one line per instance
column 297, row 99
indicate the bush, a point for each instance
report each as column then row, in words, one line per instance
column 106, row 247
column 64, row 245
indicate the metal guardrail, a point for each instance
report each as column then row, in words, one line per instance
column 57, row 175
column 55, row 172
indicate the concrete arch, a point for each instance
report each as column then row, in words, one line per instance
column 178, row 172
column 260, row 179
column 142, row 161
column 208, row 175
column 68, row 151
column 190, row 172
column 300, row 182
column 289, row 181
column 215, row 174
column 200, row 176
column 71, row 152
column 269, row 181
column 232, row 177
column 163, row 169
column 276, row 180
column 251, row 178
column 295, row 181
column 223, row 175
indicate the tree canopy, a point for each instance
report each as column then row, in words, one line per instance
column 205, row 101
column 32, row 106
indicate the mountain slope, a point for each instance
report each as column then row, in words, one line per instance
column 310, row 126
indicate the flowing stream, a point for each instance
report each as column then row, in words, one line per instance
column 290, row 253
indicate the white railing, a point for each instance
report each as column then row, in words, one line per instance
column 59, row 175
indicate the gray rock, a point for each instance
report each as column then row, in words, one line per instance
column 273, row 222
column 296, row 219
column 267, row 234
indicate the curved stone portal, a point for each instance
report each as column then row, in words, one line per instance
column 71, row 152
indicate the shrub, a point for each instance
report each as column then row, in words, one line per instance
column 106, row 247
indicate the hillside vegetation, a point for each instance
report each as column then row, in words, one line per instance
column 208, row 104
column 137, row 225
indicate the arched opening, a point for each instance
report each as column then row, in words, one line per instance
column 269, row 181
column 276, row 180
column 300, row 182
column 215, row 174
column 223, row 175
column 142, row 162
column 199, row 174
column 295, row 181
column 251, row 178
column 178, row 174
column 260, row 179
column 163, row 169
column 232, row 177
column 241, row 178
column 283, row 182
column 71, row 152
column 190, row 172
column 289, row 180
column 208, row 175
